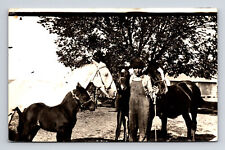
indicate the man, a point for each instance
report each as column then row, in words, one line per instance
column 140, row 101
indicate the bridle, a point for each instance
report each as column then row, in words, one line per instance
column 74, row 96
column 98, row 72
column 158, row 82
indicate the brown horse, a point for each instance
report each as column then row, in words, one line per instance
column 181, row 99
column 60, row 118
column 122, row 102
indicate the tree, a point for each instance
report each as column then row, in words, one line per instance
column 181, row 43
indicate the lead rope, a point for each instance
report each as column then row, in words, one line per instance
column 155, row 90
column 154, row 103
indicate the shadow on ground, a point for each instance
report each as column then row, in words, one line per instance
column 91, row 140
column 170, row 138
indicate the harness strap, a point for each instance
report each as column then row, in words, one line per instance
column 78, row 100
column 185, row 92
column 75, row 96
column 98, row 72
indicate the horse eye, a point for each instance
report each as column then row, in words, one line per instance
column 106, row 74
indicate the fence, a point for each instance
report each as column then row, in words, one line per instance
column 209, row 89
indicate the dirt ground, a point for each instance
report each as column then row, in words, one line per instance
column 100, row 125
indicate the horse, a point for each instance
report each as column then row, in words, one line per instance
column 22, row 93
column 60, row 118
column 171, row 101
column 122, row 103
column 180, row 99
column 98, row 74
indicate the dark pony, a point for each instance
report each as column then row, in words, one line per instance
column 122, row 102
column 181, row 98
column 60, row 118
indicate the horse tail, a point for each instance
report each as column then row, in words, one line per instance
column 201, row 101
column 20, row 113
column 196, row 93
column 13, row 113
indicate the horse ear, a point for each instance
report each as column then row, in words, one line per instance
column 79, row 86
column 18, row 110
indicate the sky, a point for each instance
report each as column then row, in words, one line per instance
column 32, row 65
column 35, row 73
column 33, row 52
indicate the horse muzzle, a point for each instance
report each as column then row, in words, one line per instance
column 89, row 105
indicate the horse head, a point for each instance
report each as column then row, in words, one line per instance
column 83, row 97
column 157, row 77
column 19, row 135
column 96, row 73
column 123, row 80
column 104, row 80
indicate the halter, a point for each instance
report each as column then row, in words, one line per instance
column 74, row 96
column 98, row 72
column 162, row 80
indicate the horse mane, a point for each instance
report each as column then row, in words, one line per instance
column 66, row 98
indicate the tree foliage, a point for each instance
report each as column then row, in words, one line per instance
column 180, row 43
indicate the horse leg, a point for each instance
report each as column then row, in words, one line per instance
column 164, row 126
column 194, row 122
column 68, row 133
column 151, row 117
column 33, row 132
column 188, row 124
column 68, row 130
column 118, row 127
column 127, row 122
column 124, row 128
column 61, row 134
column 28, row 132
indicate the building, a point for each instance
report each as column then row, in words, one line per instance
column 209, row 88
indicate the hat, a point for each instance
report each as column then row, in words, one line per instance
column 137, row 63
